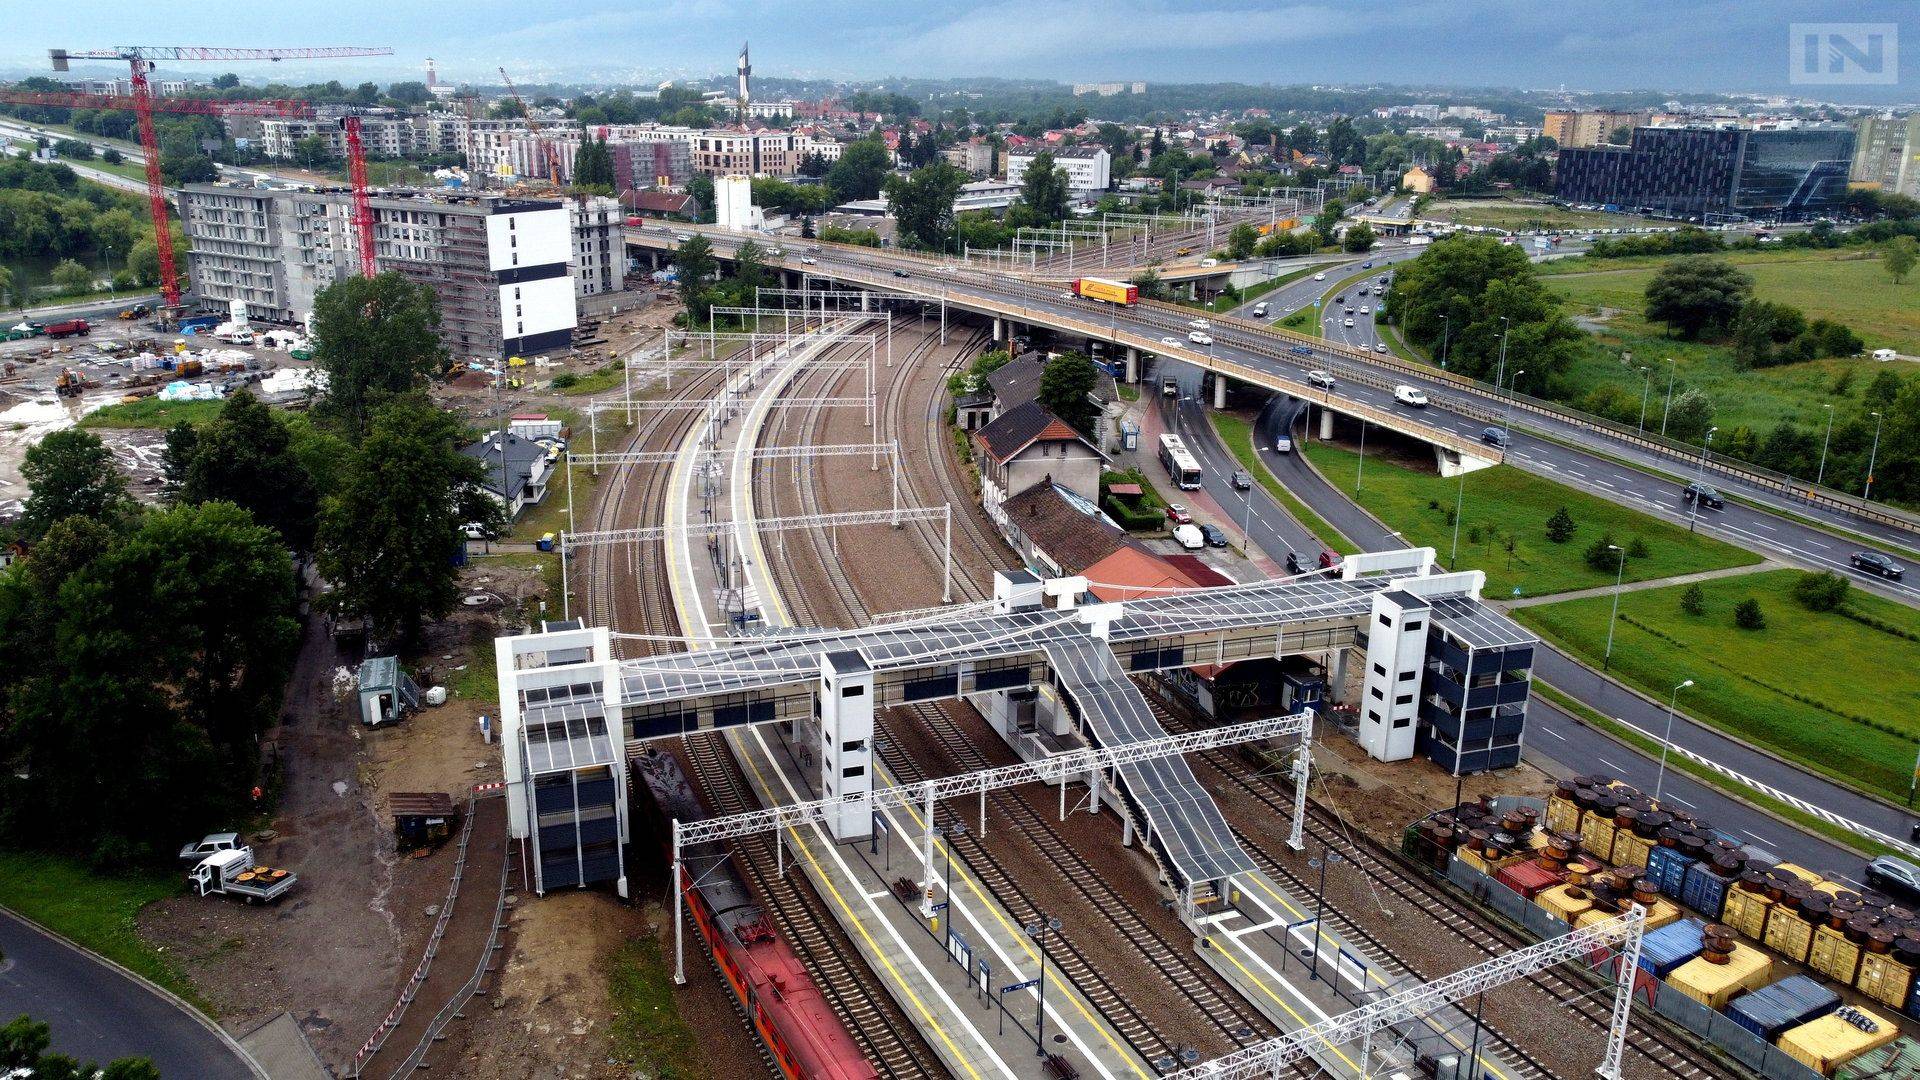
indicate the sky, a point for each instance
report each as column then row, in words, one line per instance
column 1678, row 45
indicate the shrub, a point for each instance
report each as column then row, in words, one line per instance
column 564, row 380
column 1748, row 616
column 1601, row 556
column 1561, row 526
column 1694, row 600
column 1637, row 549
column 1824, row 591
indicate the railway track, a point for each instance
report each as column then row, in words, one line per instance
column 1670, row 1055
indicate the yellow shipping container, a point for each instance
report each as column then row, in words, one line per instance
column 1807, row 876
column 1831, row 1041
column 1713, row 985
column 1563, row 815
column 1562, row 906
column 1662, row 913
column 1788, row 934
column 1884, row 979
column 1629, row 849
column 1596, row 835
column 1833, row 955
column 1746, row 912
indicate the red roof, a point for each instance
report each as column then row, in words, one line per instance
column 1135, row 574
column 1132, row 490
column 1196, row 568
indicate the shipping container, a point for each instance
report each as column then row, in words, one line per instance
column 1596, row 835
column 1112, row 292
column 1834, row 956
column 1825, row 1044
column 1630, row 849
column 1670, row 946
column 1788, row 934
column 1803, row 874
column 1771, row 1010
column 1745, row 911
column 1663, row 913
column 1713, row 985
column 1564, row 902
column 1563, row 815
column 1667, row 869
column 1707, row 892
column 1528, row 877
column 1885, row 979
column 1898, row 1060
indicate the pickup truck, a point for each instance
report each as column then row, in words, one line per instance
column 234, row 873
column 68, row 328
column 210, row 844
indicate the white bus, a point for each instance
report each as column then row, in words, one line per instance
column 1179, row 462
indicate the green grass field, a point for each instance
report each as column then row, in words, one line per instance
column 1237, row 433
column 648, row 1031
column 1515, row 215
column 1504, row 503
column 1837, row 691
column 94, row 909
column 151, row 412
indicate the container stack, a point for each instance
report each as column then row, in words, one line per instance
column 1826, row 1044
column 1724, row 970
column 1771, row 1010
column 1670, row 946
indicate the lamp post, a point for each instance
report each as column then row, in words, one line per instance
column 1500, row 375
column 1872, row 456
column 1038, row 930
column 1666, row 741
column 1327, row 855
column 1824, row 443
column 1672, row 370
column 1459, row 507
column 1360, row 466
column 1646, row 388
column 1506, row 418
column 1606, row 662
column 1446, row 331
column 948, row 833
column 1699, row 474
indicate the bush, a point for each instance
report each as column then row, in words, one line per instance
column 1824, row 591
column 1637, row 549
column 564, row 380
column 1694, row 600
column 1561, row 526
column 1142, row 519
column 112, row 156
column 1748, row 616
column 1601, row 556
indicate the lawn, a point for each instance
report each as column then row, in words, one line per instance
column 1515, row 216
column 1855, row 712
column 1505, row 504
column 1237, row 433
column 1222, row 304
column 649, row 1034
column 93, row 908
column 151, row 412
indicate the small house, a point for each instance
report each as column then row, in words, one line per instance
column 387, row 692
column 422, row 818
column 516, row 469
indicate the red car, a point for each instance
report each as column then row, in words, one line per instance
column 1178, row 514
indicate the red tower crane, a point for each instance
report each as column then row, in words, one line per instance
column 140, row 59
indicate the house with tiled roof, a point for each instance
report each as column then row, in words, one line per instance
column 1028, row 445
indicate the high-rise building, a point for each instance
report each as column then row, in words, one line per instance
column 1695, row 172
column 1886, row 153
column 1579, row 129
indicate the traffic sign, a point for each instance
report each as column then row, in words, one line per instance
column 1011, row 987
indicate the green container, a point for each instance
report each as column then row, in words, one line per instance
column 1898, row 1060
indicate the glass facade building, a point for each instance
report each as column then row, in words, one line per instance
column 1696, row 173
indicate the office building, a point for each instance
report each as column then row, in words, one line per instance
column 1886, row 153
column 1575, row 130
column 1088, row 167
column 1713, row 173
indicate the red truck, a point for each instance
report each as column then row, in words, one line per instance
column 68, row 328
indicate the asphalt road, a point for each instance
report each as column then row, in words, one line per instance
column 99, row 1014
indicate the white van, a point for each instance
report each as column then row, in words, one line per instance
column 1885, row 354
column 1189, row 537
column 1283, row 445
column 1260, row 310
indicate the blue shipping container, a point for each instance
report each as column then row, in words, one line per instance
column 1913, row 1001
column 1667, row 869
column 1670, row 946
column 1771, row 1010
column 1705, row 891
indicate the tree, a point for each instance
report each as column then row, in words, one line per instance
column 1696, row 293
column 23, row 1046
column 1043, row 189
column 1901, row 253
column 1621, row 135
column 374, row 337
column 857, row 175
column 112, row 156
column 71, row 278
column 1473, row 290
column 1881, row 392
column 1561, row 526
column 245, row 457
column 74, row 149
column 192, row 168
column 6, row 286
column 114, row 232
column 593, row 166
column 70, row 473
column 412, row 92
column 1747, row 615
column 1694, row 600
column 1065, row 384
column 701, row 188
column 1241, row 241
column 922, row 204
column 1150, row 285
column 1600, row 555
column 1358, row 239
column 386, row 539
column 694, row 265
column 1691, row 415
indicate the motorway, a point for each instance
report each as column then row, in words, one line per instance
column 99, row 1014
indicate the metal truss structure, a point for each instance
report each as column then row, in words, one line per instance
column 1091, row 761
column 649, row 533
column 1622, row 933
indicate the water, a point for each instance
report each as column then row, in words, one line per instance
column 34, row 273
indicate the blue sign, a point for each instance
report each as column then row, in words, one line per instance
column 941, row 906
column 1011, row 987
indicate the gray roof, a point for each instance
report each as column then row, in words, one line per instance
column 523, row 458
column 1018, row 428
column 1018, row 381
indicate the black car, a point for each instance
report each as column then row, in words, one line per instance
column 1703, row 495
column 1895, row 877
column 1241, row 481
column 1494, row 436
column 1213, row 535
column 900, row 273
column 1873, row 562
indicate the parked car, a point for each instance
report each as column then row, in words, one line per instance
column 1179, row 514
column 1213, row 535
column 1494, row 436
column 1703, row 495
column 1410, row 395
column 1242, row 481
column 1872, row 562
column 1189, row 537
column 212, row 843
column 1321, row 379
column 1885, row 354
column 1896, row 876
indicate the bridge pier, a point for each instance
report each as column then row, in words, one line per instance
column 999, row 329
column 1133, row 364
column 1219, row 391
column 1326, row 424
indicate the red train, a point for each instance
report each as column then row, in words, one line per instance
column 792, row 1016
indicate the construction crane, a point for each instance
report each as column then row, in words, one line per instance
column 533, row 125
column 140, row 60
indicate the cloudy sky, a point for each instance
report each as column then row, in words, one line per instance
column 1584, row 44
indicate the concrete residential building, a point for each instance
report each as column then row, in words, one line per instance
column 642, row 164
column 273, row 250
column 1886, row 153
column 1089, row 168
column 598, row 252
column 1575, row 129
column 1028, row 445
column 973, row 155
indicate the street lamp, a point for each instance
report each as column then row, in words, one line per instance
column 1446, row 331
column 1660, row 778
column 949, row 833
column 1646, row 388
column 1038, row 930
column 1872, row 456
column 1672, row 370
column 1506, row 418
column 1699, row 475
column 1619, row 575
column 1824, row 443
column 1360, row 466
column 1327, row 855
column 1501, row 375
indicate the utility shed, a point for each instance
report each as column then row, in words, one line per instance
column 422, row 818
column 386, row 691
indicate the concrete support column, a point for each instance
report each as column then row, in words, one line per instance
column 999, row 329
column 1337, row 681
column 1326, row 424
column 1219, row 391
column 1133, row 364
